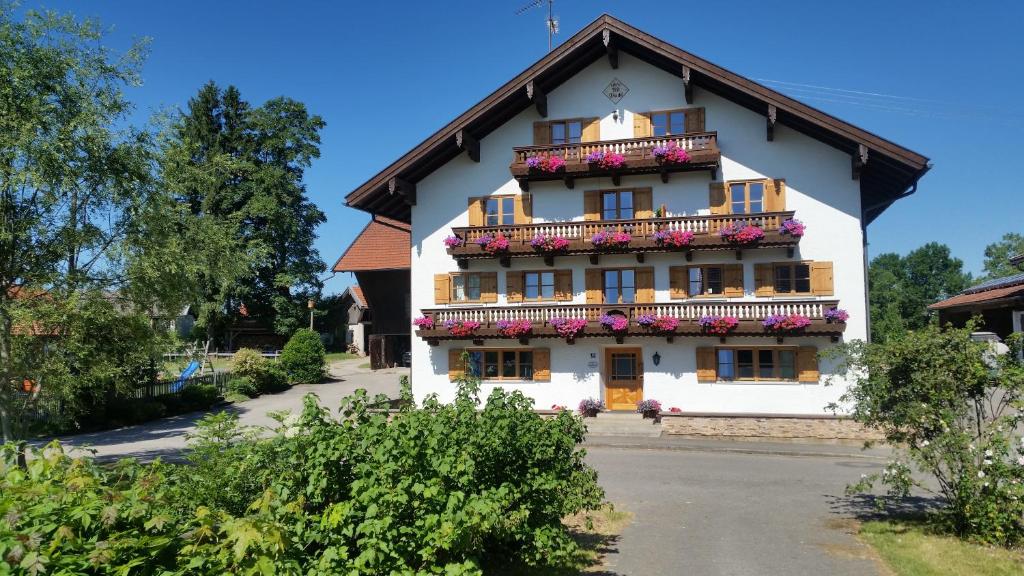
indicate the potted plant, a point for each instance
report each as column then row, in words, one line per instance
column 568, row 328
column 792, row 227
column 550, row 164
column 493, row 244
column 461, row 327
column 675, row 410
column 741, row 233
column 606, row 160
column 785, row 323
column 718, row 324
column 424, row 323
column 589, row 407
column 549, row 243
column 659, row 324
column 614, row 322
column 670, row 154
column 836, row 316
column 453, row 242
column 673, row 238
column 650, row 408
column 514, row 328
column 607, row 240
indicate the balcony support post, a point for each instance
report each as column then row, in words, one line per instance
column 689, row 255
column 505, row 261
column 433, row 342
column 478, row 342
column 687, row 86
column 640, row 257
column 611, row 48
column 664, row 176
column 772, row 112
column 570, row 182
column 463, row 263
column 594, row 259
column 524, row 184
column 739, row 254
column 549, row 261
column 469, row 143
column 834, row 338
column 539, row 98
column 670, row 339
column 790, row 251
column 617, row 179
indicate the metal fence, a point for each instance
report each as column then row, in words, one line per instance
column 172, row 387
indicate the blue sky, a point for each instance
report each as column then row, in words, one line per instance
column 940, row 77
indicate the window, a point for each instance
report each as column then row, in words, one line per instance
column 619, row 286
column 756, row 364
column 465, row 287
column 669, row 122
column 617, row 205
column 623, row 367
column 500, row 211
column 746, row 197
column 539, row 285
column 501, row 364
column 792, row 278
column 566, row 132
column 704, row 280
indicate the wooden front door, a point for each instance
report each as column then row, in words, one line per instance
column 623, row 378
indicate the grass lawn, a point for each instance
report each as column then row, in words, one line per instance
column 364, row 366
column 909, row 550
column 333, row 356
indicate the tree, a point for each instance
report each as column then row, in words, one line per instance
column 997, row 256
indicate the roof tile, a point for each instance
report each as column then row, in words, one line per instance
column 383, row 245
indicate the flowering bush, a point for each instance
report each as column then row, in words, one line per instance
column 673, row 238
column 675, row 410
column 608, row 240
column 658, row 323
column 493, row 244
column 461, row 327
column 670, row 154
column 606, row 160
column 791, row 227
column 514, row 328
column 614, row 322
column 741, row 233
column 588, row 405
column 568, row 327
column 558, row 407
column 718, row 324
column 546, row 163
column 648, row 405
column 453, row 242
column 424, row 323
column 785, row 323
column 549, row 243
column 837, row 315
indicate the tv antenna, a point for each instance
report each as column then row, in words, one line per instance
column 552, row 22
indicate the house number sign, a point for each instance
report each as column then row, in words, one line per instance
column 616, row 90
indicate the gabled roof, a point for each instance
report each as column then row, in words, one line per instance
column 988, row 291
column 890, row 170
column 384, row 244
column 356, row 293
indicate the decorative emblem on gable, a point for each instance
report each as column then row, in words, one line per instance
column 616, row 90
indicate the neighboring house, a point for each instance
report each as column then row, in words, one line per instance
column 754, row 156
column 998, row 302
column 379, row 258
column 357, row 318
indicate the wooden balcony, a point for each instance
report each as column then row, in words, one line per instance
column 750, row 315
column 578, row 233
column 702, row 148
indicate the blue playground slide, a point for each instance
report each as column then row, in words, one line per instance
column 185, row 375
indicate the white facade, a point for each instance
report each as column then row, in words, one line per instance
column 819, row 189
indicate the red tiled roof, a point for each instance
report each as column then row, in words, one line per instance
column 383, row 245
column 979, row 297
column 357, row 291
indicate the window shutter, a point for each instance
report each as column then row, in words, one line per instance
column 456, row 367
column 563, row 285
column 807, row 364
column 821, row 278
column 488, row 287
column 541, row 133
column 706, row 369
column 774, row 195
column 694, row 120
column 591, row 130
column 442, row 288
column 476, row 211
column 764, row 280
column 717, row 198
column 643, row 203
column 524, row 209
column 514, row 286
column 592, row 205
column 677, row 282
column 542, row 364
column 641, row 124
column 595, row 293
column 733, row 276
column 645, row 285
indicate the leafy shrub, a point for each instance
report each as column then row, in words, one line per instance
column 268, row 376
column 193, row 397
column 304, row 357
column 247, row 362
column 273, row 379
column 244, row 386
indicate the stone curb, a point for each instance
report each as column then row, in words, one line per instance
column 601, row 442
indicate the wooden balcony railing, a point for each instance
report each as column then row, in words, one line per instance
column 702, row 148
column 579, row 233
column 749, row 314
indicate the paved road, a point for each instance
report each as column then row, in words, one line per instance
column 706, row 513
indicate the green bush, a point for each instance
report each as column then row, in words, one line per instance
column 244, row 386
column 304, row 357
column 268, row 376
column 273, row 379
column 247, row 362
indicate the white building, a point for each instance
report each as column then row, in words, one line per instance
column 755, row 158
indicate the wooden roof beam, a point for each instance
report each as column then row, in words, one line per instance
column 772, row 113
column 687, row 85
column 610, row 48
column 860, row 159
column 539, row 98
column 403, row 188
column 466, row 141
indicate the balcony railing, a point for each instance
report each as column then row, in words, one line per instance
column 749, row 314
column 579, row 233
column 701, row 147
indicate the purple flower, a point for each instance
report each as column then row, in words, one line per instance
column 837, row 315
column 614, row 322
column 453, row 241
column 794, row 228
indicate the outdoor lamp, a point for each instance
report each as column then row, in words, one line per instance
column 656, row 358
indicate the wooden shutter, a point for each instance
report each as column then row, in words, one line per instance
column 592, row 205
column 489, row 287
column 645, row 285
column 821, row 278
column 764, row 280
column 717, row 198
column 442, row 288
column 541, row 133
column 595, row 292
column 591, row 130
column 476, row 211
column 524, row 209
column 456, row 367
column 641, row 124
column 694, row 120
column 707, row 370
column 514, row 286
column 563, row 285
column 643, row 203
column 807, row 364
column 677, row 281
column 542, row 364
column 733, row 280
column 774, row 195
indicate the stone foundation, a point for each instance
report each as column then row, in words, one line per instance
column 767, row 427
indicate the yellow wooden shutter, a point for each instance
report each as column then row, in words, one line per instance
column 476, row 211
column 563, row 285
column 442, row 288
column 488, row 287
column 514, row 286
column 821, row 278
column 591, row 130
column 706, row 365
column 595, row 292
column 643, row 203
column 677, row 281
column 774, row 195
column 542, row 364
column 541, row 133
column 807, row 364
column 764, row 280
column 733, row 280
column 717, row 197
column 645, row 285
column 456, row 366
column 592, row 205
column 694, row 120
column 524, row 209
column 641, row 125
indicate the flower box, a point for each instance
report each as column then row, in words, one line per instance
column 568, row 328
column 614, row 322
column 453, row 242
column 461, row 327
column 589, row 407
column 718, row 324
column 670, row 154
column 673, row 238
column 549, row 243
column 424, row 323
column 514, row 328
column 836, row 316
column 606, row 160
column 659, row 324
column 792, row 227
column 493, row 244
column 650, row 408
column 607, row 240
column 741, row 233
column 550, row 164
column 783, row 323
